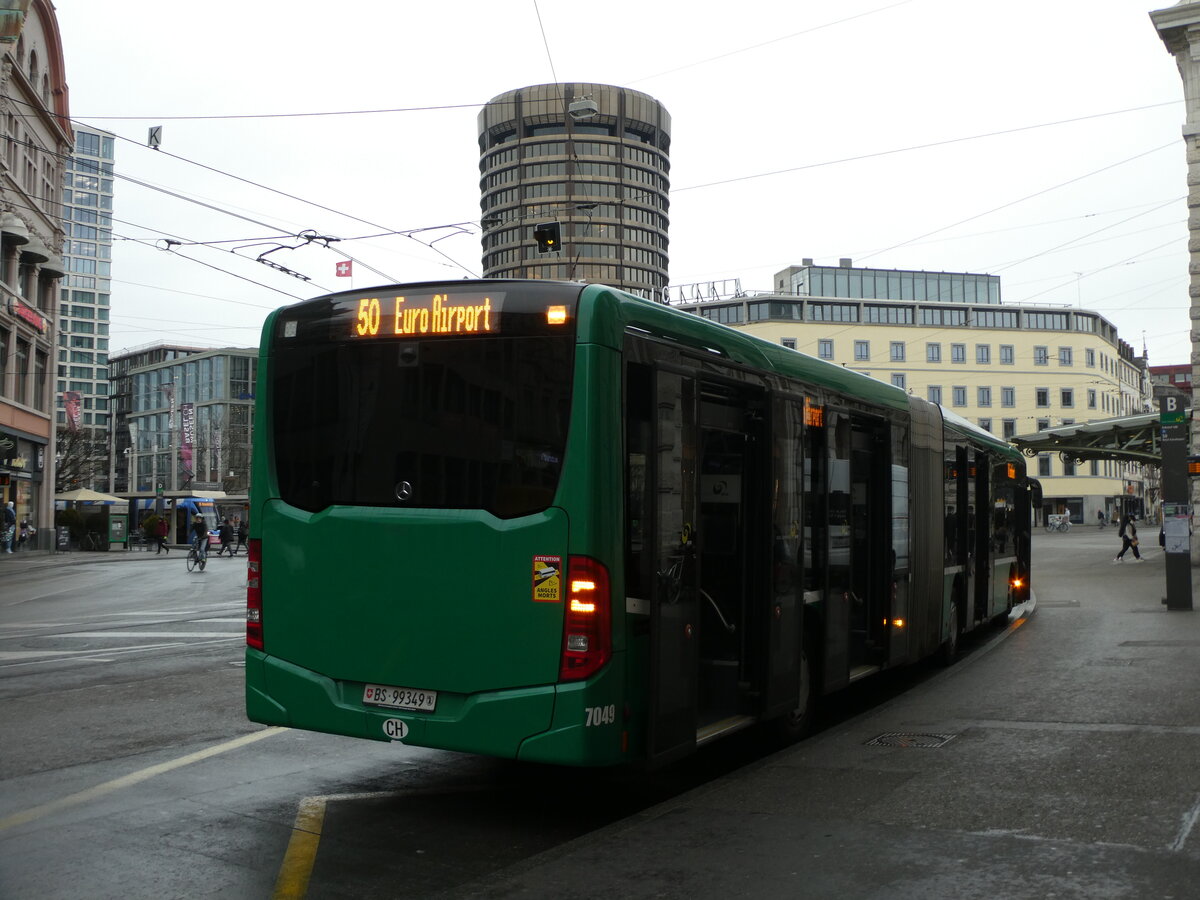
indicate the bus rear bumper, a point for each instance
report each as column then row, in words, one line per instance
column 548, row 723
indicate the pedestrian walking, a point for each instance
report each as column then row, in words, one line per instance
column 10, row 526
column 1129, row 538
column 225, row 535
column 240, row 529
column 160, row 535
column 1100, row 518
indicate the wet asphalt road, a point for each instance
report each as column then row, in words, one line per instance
column 127, row 768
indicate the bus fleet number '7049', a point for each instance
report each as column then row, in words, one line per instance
column 601, row 715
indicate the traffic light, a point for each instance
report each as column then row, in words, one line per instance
column 548, row 237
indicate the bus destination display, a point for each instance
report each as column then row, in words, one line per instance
column 422, row 315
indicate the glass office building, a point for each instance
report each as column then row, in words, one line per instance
column 851, row 283
column 83, row 312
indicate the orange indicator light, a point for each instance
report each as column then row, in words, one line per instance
column 556, row 315
column 579, row 606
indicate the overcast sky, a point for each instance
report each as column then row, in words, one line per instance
column 1038, row 141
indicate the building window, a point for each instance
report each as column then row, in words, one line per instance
column 1043, row 424
column 862, row 351
column 898, row 379
column 984, row 396
column 1041, row 356
column 1008, row 396
column 1068, row 397
column 983, row 354
column 1066, row 356
column 825, row 349
column 985, row 424
column 958, row 353
column 897, row 351
column 960, row 395
column 1010, row 428
column 934, row 392
column 1091, row 398
column 1043, row 464
column 790, row 343
column 1068, row 467
column 1094, row 467
column 1043, row 397
column 1089, row 358
column 933, row 353
column 1007, row 356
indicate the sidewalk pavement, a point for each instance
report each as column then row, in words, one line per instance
column 25, row 560
column 1059, row 759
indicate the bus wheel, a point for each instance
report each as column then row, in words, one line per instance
column 949, row 649
column 799, row 722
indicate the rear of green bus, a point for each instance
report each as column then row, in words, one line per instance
column 431, row 515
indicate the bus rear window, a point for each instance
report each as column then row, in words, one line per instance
column 446, row 423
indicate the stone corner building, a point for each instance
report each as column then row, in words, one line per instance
column 1179, row 28
column 37, row 143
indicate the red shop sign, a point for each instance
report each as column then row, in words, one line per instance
column 28, row 313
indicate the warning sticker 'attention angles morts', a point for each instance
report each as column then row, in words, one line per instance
column 547, row 579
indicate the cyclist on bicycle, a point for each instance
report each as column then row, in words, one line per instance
column 200, row 536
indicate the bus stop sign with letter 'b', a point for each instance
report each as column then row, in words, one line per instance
column 1172, row 411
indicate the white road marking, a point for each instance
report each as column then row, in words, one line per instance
column 148, row 634
column 132, row 778
column 1186, row 825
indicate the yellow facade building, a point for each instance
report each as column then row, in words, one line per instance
column 1013, row 369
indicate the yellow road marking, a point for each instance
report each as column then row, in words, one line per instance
column 292, row 883
column 132, row 778
column 301, row 853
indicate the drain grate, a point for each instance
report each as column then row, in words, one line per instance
column 909, row 739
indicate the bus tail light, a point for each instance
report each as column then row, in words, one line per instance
column 254, row 632
column 587, row 622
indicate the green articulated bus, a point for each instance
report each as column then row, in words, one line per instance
column 557, row 522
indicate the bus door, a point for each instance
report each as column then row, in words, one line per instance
column 959, row 534
column 674, row 568
column 734, row 549
column 859, row 557
column 983, row 535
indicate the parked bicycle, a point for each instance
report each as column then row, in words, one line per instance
column 1058, row 522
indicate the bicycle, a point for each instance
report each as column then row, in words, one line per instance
column 91, row 541
column 1058, row 523
column 196, row 558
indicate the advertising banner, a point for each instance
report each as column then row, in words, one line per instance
column 71, row 402
column 187, row 413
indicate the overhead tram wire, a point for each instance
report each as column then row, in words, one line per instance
column 673, row 190
column 786, row 37
column 1010, row 265
column 214, row 170
column 927, row 146
column 1055, row 187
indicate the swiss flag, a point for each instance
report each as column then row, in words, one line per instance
column 345, row 269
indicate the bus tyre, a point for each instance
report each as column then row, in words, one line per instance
column 949, row 649
column 799, row 722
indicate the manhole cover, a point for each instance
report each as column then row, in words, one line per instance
column 909, row 739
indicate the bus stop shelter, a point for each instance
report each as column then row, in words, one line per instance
column 1129, row 438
